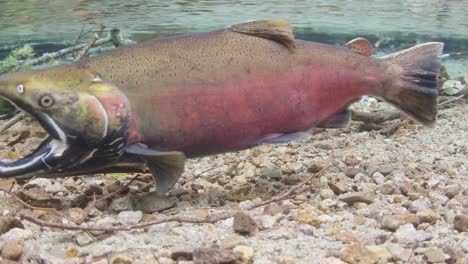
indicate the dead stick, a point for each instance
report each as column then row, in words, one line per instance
column 90, row 43
column 12, row 121
column 114, row 38
column 34, row 208
column 180, row 219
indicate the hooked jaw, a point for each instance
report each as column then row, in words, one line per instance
column 83, row 136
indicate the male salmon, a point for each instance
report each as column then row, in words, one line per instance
column 150, row 105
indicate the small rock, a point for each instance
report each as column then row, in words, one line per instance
column 244, row 224
column 93, row 189
column 388, row 188
column 360, row 205
column 154, row 202
column 434, row 255
column 166, row 260
column 266, row 222
column 382, row 253
column 308, row 215
column 407, row 234
column 352, row 172
column 285, row 260
column 437, row 199
column 338, row 187
column 354, row 197
column 306, row 229
column 84, row 238
column 124, row 203
column 378, row 178
column 130, row 217
column 452, row 87
column 419, row 205
column 241, row 179
column 271, row 173
column 327, row 193
column 428, row 216
column 213, row 255
column 452, row 190
column 231, row 241
column 17, row 234
column 410, row 219
column 12, row 249
column 245, row 253
column 399, row 253
column 359, row 254
column 389, row 222
column 273, row 209
column 333, row 260
column 461, row 223
column 38, row 182
column 8, row 222
column 291, row 179
column 121, row 259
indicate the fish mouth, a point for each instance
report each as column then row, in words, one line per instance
column 45, row 158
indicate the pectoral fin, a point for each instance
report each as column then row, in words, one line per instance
column 165, row 166
column 338, row 120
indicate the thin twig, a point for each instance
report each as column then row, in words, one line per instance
column 12, row 121
column 451, row 100
column 181, row 219
column 110, row 195
column 34, row 208
column 90, row 43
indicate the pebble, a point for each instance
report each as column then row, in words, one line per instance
column 338, row 187
column 166, row 260
column 17, row 234
column 306, row 229
column 285, row 260
column 428, row 216
column 231, row 241
column 419, row 205
column 213, row 255
column 244, row 224
column 245, row 253
column 124, row 203
column 241, row 179
column 452, row 190
column 121, row 259
column 354, row 197
column 153, row 202
column 84, row 238
column 382, row 253
column 460, row 223
column 292, row 179
column 352, row 172
column 266, row 222
column 93, row 189
column 389, row 222
column 271, row 173
column 388, row 188
column 437, row 199
column 434, row 255
column 12, row 249
column 398, row 252
column 327, row 193
column 358, row 254
column 333, row 260
column 407, row 234
column 130, row 217
column 7, row 223
column 273, row 209
column 378, row 178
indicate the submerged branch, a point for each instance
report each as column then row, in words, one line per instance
column 91, row 42
column 299, row 188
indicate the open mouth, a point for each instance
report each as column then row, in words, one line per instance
column 31, row 146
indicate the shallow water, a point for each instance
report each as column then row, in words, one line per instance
column 395, row 24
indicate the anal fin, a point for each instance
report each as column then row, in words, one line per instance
column 165, row 166
column 284, row 138
column 338, row 120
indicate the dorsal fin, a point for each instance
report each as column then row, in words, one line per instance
column 276, row 29
column 361, row 46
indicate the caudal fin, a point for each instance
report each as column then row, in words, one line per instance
column 416, row 91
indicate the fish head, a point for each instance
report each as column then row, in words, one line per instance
column 86, row 119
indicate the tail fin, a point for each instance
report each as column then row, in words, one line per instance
column 417, row 90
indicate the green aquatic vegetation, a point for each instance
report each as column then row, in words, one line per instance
column 12, row 63
column 15, row 60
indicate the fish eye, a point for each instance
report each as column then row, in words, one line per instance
column 46, row 101
column 20, row 88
